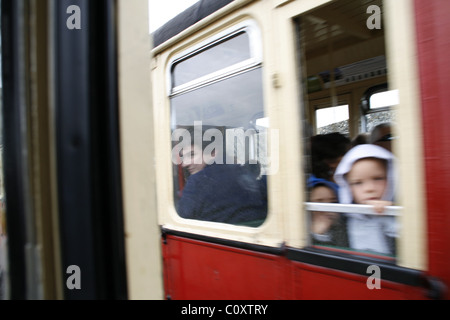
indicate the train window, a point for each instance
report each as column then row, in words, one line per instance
column 219, row 130
column 377, row 107
column 340, row 213
column 383, row 99
column 331, row 114
column 332, row 119
column 223, row 54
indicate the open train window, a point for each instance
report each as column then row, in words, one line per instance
column 219, row 129
column 339, row 55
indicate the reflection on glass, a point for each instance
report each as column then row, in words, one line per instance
column 224, row 54
column 219, row 136
column 233, row 102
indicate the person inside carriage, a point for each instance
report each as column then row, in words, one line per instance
column 366, row 175
column 219, row 192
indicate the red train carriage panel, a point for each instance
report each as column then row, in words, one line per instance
column 432, row 25
column 196, row 269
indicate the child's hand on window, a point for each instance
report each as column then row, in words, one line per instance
column 322, row 221
column 379, row 205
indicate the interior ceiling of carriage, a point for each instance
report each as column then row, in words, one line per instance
column 337, row 26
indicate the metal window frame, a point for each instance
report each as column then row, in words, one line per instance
column 250, row 27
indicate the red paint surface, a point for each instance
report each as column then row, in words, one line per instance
column 433, row 44
column 201, row 270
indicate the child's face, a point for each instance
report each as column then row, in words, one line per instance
column 321, row 221
column 323, row 194
column 367, row 180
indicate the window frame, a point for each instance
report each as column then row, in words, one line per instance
column 323, row 102
column 255, row 60
column 270, row 233
column 252, row 63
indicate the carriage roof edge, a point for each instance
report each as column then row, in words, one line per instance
column 187, row 18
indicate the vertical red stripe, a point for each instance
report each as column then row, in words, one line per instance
column 433, row 43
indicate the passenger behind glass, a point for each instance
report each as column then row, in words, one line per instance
column 381, row 135
column 326, row 152
column 228, row 193
column 361, row 138
column 327, row 228
column 366, row 176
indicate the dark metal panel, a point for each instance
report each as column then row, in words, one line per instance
column 356, row 265
column 14, row 141
column 87, row 149
column 73, row 147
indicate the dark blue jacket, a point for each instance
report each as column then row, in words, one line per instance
column 226, row 193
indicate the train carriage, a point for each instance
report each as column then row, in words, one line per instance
column 314, row 60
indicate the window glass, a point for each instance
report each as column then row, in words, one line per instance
column 384, row 99
column 380, row 111
column 221, row 55
column 340, row 213
column 332, row 119
column 219, row 136
column 374, row 119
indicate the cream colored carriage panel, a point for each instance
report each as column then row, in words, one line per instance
column 142, row 234
column 403, row 76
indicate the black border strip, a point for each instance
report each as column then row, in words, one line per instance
column 319, row 258
column 357, row 265
column 13, row 46
column 279, row 251
column 88, row 149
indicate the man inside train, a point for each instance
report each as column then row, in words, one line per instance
column 228, row 193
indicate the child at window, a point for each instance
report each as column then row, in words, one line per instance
column 327, row 228
column 366, row 176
